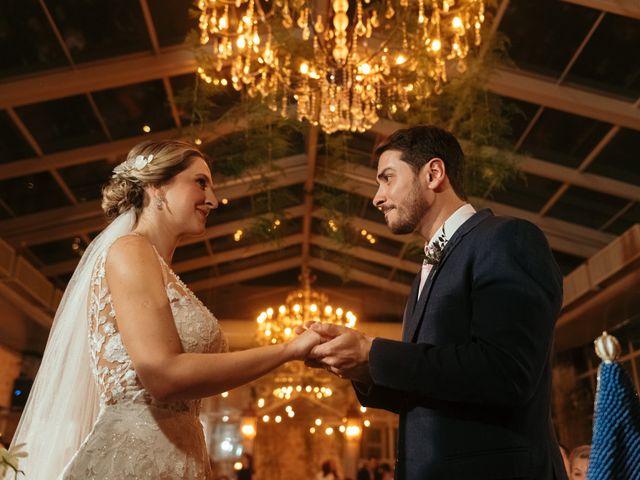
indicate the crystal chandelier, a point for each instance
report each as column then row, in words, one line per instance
column 341, row 62
column 301, row 306
column 293, row 380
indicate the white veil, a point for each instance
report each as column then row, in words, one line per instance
column 63, row 403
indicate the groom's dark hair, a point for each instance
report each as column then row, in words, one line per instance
column 421, row 143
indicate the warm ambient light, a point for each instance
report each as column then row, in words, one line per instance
column 277, row 325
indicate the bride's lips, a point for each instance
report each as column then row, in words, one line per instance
column 203, row 214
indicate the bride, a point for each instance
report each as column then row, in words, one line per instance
column 132, row 350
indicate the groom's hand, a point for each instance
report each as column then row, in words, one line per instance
column 312, row 363
column 345, row 353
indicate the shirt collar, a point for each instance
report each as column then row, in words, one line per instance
column 455, row 221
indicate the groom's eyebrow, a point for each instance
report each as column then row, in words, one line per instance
column 383, row 173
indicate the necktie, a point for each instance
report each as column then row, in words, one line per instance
column 424, row 273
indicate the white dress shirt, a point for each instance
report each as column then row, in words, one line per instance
column 449, row 227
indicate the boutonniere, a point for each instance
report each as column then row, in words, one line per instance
column 433, row 252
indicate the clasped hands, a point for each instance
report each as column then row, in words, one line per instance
column 341, row 350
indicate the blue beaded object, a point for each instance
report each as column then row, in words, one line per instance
column 615, row 449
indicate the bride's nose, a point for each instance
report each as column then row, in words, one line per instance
column 211, row 201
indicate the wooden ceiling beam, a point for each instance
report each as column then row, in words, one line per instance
column 312, row 155
column 368, row 254
column 545, row 92
column 180, row 60
column 247, row 274
column 237, row 254
column 108, row 150
column 359, row 276
column 214, row 231
column 626, row 8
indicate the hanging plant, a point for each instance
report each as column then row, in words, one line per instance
column 478, row 118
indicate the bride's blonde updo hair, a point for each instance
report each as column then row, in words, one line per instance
column 150, row 163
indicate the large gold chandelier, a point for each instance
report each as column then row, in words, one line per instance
column 340, row 62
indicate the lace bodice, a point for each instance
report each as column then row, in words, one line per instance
column 114, row 372
column 136, row 437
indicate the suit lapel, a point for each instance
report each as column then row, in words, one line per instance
column 408, row 309
column 418, row 311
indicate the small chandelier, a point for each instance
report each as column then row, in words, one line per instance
column 293, row 380
column 301, row 306
column 342, row 65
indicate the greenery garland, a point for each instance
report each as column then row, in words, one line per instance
column 477, row 117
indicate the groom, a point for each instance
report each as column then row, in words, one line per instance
column 471, row 378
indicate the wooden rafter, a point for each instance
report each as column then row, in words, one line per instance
column 627, row 8
column 180, row 60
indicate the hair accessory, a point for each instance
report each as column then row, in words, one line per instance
column 137, row 163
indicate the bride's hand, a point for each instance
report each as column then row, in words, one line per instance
column 302, row 344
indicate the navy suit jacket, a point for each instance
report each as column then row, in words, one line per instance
column 471, row 378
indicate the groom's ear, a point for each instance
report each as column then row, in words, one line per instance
column 434, row 172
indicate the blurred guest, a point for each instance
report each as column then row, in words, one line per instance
column 328, row 471
column 370, row 470
column 579, row 462
column 385, row 472
column 246, row 472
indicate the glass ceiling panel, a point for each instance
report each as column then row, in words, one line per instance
column 13, row 146
column 188, row 252
column 609, row 61
column 382, row 245
column 4, row 212
column 27, row 42
column 620, row 159
column 249, row 206
column 227, row 242
column 62, row 124
column 567, row 263
column 529, row 192
column 182, row 86
column 126, row 110
column 86, row 180
column 626, row 221
column 32, row 193
column 586, row 207
column 521, row 115
column 58, row 251
column 221, row 99
column 288, row 277
column 95, row 30
column 563, row 138
column 262, row 259
column 354, row 263
column 544, row 34
column 172, row 20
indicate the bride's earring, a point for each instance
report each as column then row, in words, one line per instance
column 159, row 203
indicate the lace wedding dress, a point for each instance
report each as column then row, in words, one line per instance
column 135, row 436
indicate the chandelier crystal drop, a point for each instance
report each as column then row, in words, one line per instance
column 340, row 62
